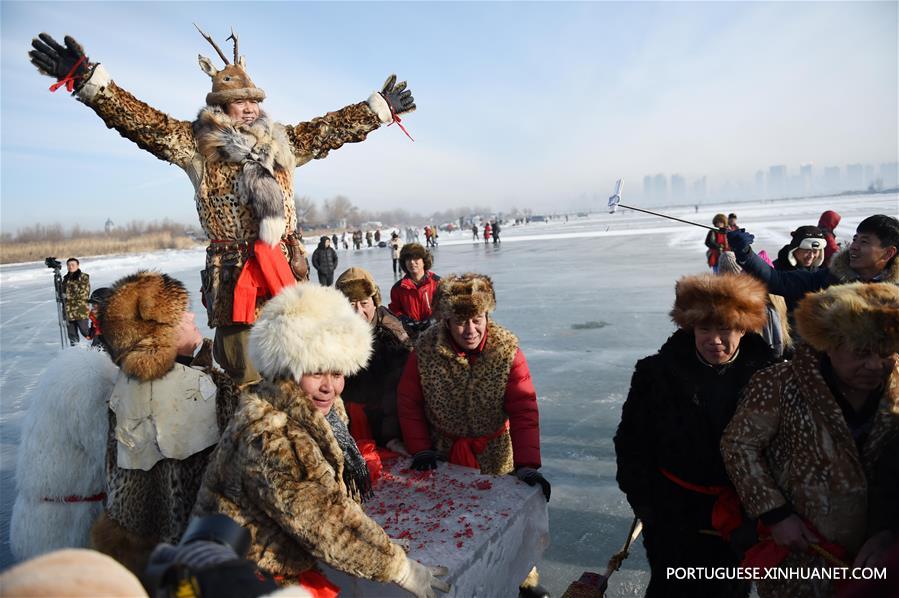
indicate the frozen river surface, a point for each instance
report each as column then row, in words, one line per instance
column 587, row 298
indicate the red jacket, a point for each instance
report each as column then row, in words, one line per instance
column 828, row 223
column 408, row 300
column 520, row 403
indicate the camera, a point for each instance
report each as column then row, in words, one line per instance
column 208, row 561
column 52, row 262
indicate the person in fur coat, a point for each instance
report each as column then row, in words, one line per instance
column 680, row 400
column 803, row 444
column 60, row 478
column 241, row 164
column 287, row 468
column 370, row 394
column 466, row 395
column 166, row 412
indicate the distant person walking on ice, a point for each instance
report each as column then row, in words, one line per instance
column 496, row 231
column 395, row 246
column 716, row 241
column 241, row 164
column 488, row 230
column 474, row 232
column 324, row 260
column 77, row 290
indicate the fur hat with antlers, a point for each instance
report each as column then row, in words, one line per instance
column 232, row 83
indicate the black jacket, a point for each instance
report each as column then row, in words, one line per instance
column 324, row 258
column 375, row 385
column 673, row 418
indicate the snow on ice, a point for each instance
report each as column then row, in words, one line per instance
column 553, row 280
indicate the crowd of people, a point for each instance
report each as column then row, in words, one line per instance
column 739, row 442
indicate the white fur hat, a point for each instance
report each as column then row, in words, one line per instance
column 306, row 329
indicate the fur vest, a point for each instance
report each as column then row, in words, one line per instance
column 278, row 472
column 61, row 455
column 466, row 397
column 77, row 292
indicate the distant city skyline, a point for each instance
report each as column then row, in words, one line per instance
column 539, row 105
column 774, row 182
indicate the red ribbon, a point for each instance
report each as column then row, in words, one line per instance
column 75, row 498
column 68, row 80
column 396, row 119
column 466, row 449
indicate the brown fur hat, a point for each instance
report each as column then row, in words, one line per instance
column 864, row 316
column 735, row 300
column 140, row 321
column 357, row 284
column 464, row 295
column 415, row 251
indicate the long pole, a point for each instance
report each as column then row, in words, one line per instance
column 669, row 217
column 60, row 311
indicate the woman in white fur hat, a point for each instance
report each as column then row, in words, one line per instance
column 287, row 468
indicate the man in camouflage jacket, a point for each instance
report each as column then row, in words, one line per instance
column 77, row 290
column 241, row 165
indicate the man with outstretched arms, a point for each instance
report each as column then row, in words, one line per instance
column 241, row 165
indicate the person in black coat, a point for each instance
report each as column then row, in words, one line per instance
column 667, row 444
column 370, row 394
column 324, row 259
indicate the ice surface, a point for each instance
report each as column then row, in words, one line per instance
column 487, row 530
column 551, row 280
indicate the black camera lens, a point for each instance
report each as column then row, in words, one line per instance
column 220, row 529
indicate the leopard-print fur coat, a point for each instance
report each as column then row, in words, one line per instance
column 278, row 472
column 224, row 213
column 468, row 398
column 144, row 508
column 788, row 444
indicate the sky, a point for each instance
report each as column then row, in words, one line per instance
column 539, row 105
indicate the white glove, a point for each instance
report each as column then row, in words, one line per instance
column 421, row 581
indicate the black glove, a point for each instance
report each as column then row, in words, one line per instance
column 396, row 94
column 740, row 241
column 57, row 61
column 424, row 460
column 532, row 477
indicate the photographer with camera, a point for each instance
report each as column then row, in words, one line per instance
column 76, row 291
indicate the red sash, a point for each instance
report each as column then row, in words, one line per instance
column 465, row 449
column 264, row 274
column 100, row 496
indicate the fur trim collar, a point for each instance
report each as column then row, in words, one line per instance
column 261, row 148
column 839, row 268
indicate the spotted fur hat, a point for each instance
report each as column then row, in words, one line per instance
column 464, row 295
column 231, row 83
column 140, row 321
column 357, row 284
column 863, row 316
column 415, row 251
column 734, row 300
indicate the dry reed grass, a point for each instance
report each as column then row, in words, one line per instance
column 22, row 251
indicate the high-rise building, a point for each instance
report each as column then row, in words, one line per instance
column 870, row 177
column 806, row 172
column 699, row 189
column 889, row 175
column 777, row 180
column 855, row 177
column 832, row 182
column 760, row 184
column 660, row 188
column 647, row 187
column 678, row 189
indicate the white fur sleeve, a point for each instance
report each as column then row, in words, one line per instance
column 380, row 107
